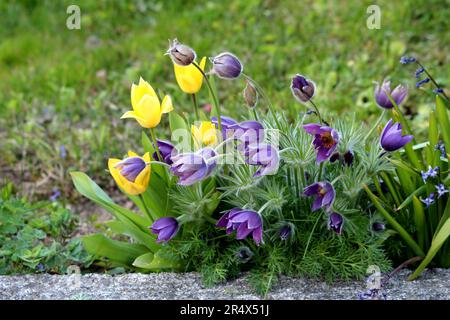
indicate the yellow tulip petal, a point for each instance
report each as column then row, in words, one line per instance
column 146, row 157
column 131, row 114
column 132, row 154
column 188, row 77
column 143, row 179
column 120, row 180
column 166, row 105
column 149, row 111
column 139, row 91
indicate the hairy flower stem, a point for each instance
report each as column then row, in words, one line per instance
column 194, row 102
column 263, row 95
column 431, row 78
column 255, row 115
column 376, row 125
column 320, row 172
column 213, row 94
column 311, row 234
column 317, row 111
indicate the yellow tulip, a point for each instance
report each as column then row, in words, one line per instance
column 188, row 77
column 205, row 134
column 140, row 183
column 147, row 110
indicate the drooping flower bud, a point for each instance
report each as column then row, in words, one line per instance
column 250, row 95
column 378, row 226
column 244, row 254
column 392, row 138
column 303, row 89
column 227, row 66
column 335, row 222
column 180, row 54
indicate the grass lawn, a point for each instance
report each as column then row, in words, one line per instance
column 63, row 91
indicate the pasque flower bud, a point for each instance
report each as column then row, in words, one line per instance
column 227, row 66
column 250, row 95
column 180, row 54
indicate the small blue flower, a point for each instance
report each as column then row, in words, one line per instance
column 438, row 90
column 419, row 72
column 421, row 82
column 440, row 146
column 441, row 190
column 62, row 152
column 428, row 201
column 406, row 60
column 56, row 194
column 431, row 173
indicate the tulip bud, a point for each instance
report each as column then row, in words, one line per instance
column 227, row 66
column 250, row 95
column 180, row 54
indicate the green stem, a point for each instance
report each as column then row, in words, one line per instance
column 263, row 95
column 216, row 103
column 317, row 111
column 311, row 234
column 255, row 114
column 376, row 124
column 155, row 143
column 431, row 78
column 320, row 172
column 194, row 101
column 391, row 188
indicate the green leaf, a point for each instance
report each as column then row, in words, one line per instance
column 144, row 261
column 117, row 251
column 177, row 122
column 160, row 264
column 408, row 200
column 433, row 138
column 394, row 224
column 419, row 220
column 436, row 244
column 443, row 120
column 136, row 225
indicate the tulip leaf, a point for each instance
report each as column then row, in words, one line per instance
column 136, row 225
column 117, row 251
column 436, row 244
column 144, row 261
column 177, row 122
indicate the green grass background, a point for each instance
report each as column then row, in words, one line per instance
column 61, row 87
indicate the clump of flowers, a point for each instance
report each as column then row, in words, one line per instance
column 274, row 184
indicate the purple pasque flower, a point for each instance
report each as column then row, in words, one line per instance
column 226, row 66
column 246, row 222
column 441, row 190
column 167, row 151
column 324, row 195
column 381, row 94
column 263, row 155
column 193, row 167
column 302, row 88
column 166, row 228
column 131, row 167
column 428, row 201
column 226, row 123
column 378, row 226
column 392, row 138
column 285, row 231
column 325, row 140
column 335, row 222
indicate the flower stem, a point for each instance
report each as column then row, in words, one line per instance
column 216, row 103
column 376, row 124
column 155, row 143
column 431, row 78
column 263, row 95
column 311, row 234
column 317, row 111
column 194, row 102
column 320, row 172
